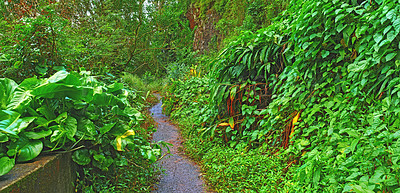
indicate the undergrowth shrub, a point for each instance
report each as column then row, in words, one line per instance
column 100, row 124
column 146, row 86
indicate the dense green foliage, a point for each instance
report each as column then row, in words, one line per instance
column 227, row 169
column 41, row 37
column 303, row 102
column 315, row 96
column 74, row 113
column 53, row 105
column 350, row 120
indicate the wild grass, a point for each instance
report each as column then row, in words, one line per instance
column 144, row 84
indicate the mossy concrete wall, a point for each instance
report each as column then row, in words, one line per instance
column 45, row 174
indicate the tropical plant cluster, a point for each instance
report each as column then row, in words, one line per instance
column 311, row 101
column 99, row 124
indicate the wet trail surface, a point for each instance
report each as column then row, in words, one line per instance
column 181, row 174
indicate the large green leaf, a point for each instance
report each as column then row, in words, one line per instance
column 47, row 112
column 7, row 87
column 42, row 122
column 105, row 99
column 6, row 164
column 86, row 129
column 30, row 150
column 106, row 128
column 22, row 95
column 115, row 87
column 378, row 37
column 70, row 126
column 61, row 84
column 58, row 76
column 30, row 83
column 11, row 122
column 14, row 147
column 67, row 127
column 25, row 148
column 20, row 100
column 378, row 175
column 132, row 113
column 56, row 90
column 87, row 93
column 81, row 157
column 38, row 134
column 72, row 79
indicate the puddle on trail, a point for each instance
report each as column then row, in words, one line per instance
column 181, row 174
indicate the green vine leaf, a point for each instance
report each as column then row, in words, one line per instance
column 390, row 56
column 396, row 25
column 356, row 67
column 392, row 35
column 378, row 38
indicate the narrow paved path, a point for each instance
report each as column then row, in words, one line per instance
column 181, row 174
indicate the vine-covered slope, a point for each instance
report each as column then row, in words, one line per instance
column 317, row 92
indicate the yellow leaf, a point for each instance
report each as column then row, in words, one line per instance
column 119, row 139
column 295, row 119
column 223, row 124
column 128, row 133
column 119, row 143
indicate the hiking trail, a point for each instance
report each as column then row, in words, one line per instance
column 181, row 174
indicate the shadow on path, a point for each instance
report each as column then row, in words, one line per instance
column 181, row 175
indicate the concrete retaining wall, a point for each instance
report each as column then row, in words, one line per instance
column 45, row 174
